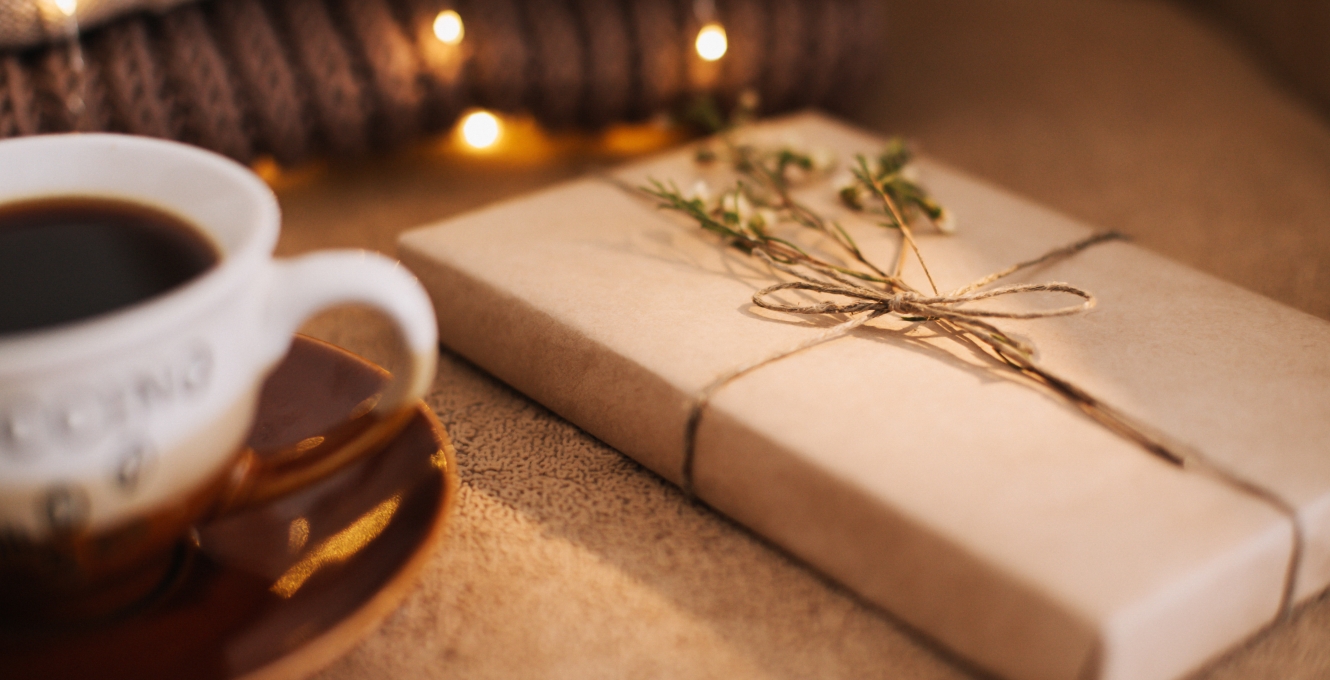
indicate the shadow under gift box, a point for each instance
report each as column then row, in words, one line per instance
column 993, row 516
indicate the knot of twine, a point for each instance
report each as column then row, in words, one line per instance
column 912, row 304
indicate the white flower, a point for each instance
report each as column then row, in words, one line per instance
column 946, row 222
column 736, row 203
column 848, row 189
column 765, row 217
column 699, row 191
column 743, row 207
column 822, row 158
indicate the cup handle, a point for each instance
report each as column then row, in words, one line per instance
column 301, row 287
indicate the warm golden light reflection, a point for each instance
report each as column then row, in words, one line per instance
column 284, row 178
column 266, row 168
column 481, row 129
column 711, row 42
column 297, row 534
column 67, row 7
column 439, row 459
column 309, row 443
column 448, row 27
column 364, row 407
column 635, row 139
column 339, row 547
column 524, row 143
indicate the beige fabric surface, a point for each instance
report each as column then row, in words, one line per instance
column 1132, row 115
column 566, row 559
column 1291, row 36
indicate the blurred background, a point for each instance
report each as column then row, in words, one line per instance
column 1197, row 126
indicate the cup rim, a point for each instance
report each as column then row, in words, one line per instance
column 33, row 350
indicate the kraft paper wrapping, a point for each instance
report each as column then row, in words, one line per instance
column 989, row 514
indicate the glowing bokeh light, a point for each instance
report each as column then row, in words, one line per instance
column 447, row 27
column 67, row 7
column 481, row 129
column 711, row 42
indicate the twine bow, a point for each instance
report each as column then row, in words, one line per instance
column 912, row 304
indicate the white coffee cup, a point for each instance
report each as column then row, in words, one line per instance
column 141, row 412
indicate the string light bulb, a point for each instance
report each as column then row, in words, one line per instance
column 711, row 42
column 448, row 27
column 67, row 7
column 481, row 129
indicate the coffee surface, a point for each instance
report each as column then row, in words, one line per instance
column 65, row 259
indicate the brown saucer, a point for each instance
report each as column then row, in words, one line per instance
column 280, row 590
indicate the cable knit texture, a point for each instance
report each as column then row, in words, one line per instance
column 295, row 78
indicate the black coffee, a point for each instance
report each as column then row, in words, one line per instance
column 66, row 259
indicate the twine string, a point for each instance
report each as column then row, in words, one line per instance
column 909, row 303
column 702, row 399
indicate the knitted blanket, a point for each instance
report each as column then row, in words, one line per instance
column 291, row 78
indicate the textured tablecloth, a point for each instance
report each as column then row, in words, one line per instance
column 566, row 559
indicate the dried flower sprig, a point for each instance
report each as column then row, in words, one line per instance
column 885, row 188
column 767, row 178
column 762, row 196
column 891, row 173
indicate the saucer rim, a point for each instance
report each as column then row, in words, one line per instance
column 332, row 644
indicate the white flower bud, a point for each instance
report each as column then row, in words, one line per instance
column 743, row 208
column 736, row 203
column 700, row 190
column 765, row 217
column 946, row 222
column 822, row 158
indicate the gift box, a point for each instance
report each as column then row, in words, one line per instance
column 904, row 462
